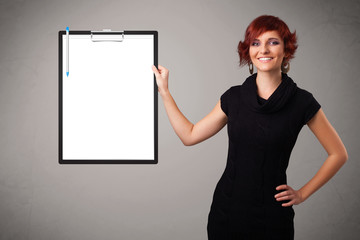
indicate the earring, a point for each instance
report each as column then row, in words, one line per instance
column 285, row 67
column 251, row 68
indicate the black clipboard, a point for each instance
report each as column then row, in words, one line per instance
column 108, row 97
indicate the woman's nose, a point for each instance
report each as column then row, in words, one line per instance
column 264, row 49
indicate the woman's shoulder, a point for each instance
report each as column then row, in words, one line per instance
column 303, row 94
column 306, row 102
column 231, row 91
column 233, row 88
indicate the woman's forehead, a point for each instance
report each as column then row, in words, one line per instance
column 269, row 34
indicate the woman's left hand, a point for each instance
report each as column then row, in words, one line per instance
column 288, row 194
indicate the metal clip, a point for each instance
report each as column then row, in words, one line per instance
column 107, row 35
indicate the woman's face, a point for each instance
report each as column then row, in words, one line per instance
column 267, row 52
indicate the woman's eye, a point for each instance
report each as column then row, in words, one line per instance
column 255, row 44
column 274, row 42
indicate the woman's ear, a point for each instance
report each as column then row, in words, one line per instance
column 286, row 56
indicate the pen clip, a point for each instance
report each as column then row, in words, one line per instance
column 107, row 35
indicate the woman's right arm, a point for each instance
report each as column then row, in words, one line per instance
column 188, row 133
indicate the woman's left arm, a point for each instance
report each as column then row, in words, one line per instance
column 337, row 156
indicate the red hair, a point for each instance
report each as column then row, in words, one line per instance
column 263, row 24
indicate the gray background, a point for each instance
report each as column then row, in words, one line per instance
column 40, row 199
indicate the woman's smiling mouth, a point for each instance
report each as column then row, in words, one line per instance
column 265, row 59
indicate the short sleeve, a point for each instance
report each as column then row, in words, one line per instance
column 224, row 102
column 312, row 108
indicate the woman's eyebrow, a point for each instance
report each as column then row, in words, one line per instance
column 267, row 39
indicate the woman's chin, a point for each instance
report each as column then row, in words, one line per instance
column 268, row 70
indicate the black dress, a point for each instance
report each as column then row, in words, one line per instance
column 262, row 134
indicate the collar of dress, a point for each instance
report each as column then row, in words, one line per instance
column 275, row 102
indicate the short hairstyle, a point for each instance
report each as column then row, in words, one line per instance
column 263, row 24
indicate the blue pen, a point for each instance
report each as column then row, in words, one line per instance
column 67, row 51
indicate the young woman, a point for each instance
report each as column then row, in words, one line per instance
column 264, row 116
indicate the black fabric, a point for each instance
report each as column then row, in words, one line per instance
column 262, row 134
column 261, row 100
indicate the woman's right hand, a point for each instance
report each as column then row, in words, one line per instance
column 162, row 76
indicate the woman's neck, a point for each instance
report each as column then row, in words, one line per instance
column 267, row 82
